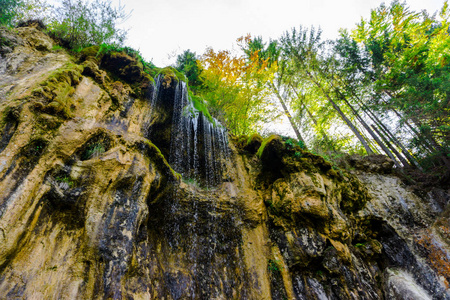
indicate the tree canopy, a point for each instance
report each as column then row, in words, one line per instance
column 381, row 87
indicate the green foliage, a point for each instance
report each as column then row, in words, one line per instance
column 65, row 179
column 78, row 23
column 274, row 265
column 410, row 57
column 234, row 88
column 94, row 150
column 34, row 10
column 265, row 142
column 56, row 47
column 191, row 181
column 291, row 143
column 201, row 106
column 187, row 63
column 8, row 11
column 360, row 245
column 297, row 154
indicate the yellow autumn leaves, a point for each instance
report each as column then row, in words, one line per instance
column 235, row 88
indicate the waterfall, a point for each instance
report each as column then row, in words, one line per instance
column 198, row 145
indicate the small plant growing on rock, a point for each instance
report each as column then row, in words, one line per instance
column 94, row 150
column 191, row 181
column 360, row 245
column 274, row 265
column 65, row 180
column 291, row 143
column 297, row 154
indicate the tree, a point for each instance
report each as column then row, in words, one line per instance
column 187, row 63
column 269, row 57
column 235, row 91
column 8, row 11
column 79, row 24
column 305, row 51
column 410, row 57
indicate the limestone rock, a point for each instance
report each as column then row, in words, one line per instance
column 380, row 164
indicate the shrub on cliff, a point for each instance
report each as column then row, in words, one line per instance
column 78, row 24
column 16, row 12
column 8, row 10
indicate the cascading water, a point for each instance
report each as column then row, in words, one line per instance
column 198, row 145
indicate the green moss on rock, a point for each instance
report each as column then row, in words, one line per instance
column 265, row 142
column 91, row 52
column 171, row 77
column 253, row 143
column 200, row 105
column 152, row 151
column 57, row 90
column 129, row 69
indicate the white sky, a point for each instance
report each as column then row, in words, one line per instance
column 159, row 28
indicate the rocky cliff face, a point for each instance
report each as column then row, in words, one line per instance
column 94, row 204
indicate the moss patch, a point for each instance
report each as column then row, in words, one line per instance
column 95, row 146
column 267, row 141
column 200, row 105
column 55, row 93
column 158, row 158
column 171, row 77
column 253, row 143
column 354, row 195
column 129, row 69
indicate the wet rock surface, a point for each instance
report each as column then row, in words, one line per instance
column 92, row 206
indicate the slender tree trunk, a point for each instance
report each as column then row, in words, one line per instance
column 341, row 114
column 400, row 157
column 311, row 116
column 391, row 137
column 412, row 160
column 286, row 112
column 370, row 131
column 424, row 142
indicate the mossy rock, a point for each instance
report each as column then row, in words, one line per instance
column 253, row 143
column 240, row 141
column 55, row 94
column 99, row 143
column 153, row 152
column 130, row 70
column 354, row 195
column 8, row 41
column 171, row 77
column 375, row 163
column 201, row 106
column 92, row 52
column 271, row 147
column 92, row 70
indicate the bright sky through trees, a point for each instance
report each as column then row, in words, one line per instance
column 167, row 27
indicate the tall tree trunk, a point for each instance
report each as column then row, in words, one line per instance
column 412, row 160
column 287, row 113
column 311, row 116
column 400, row 157
column 434, row 143
column 386, row 131
column 426, row 144
column 370, row 131
column 341, row 114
